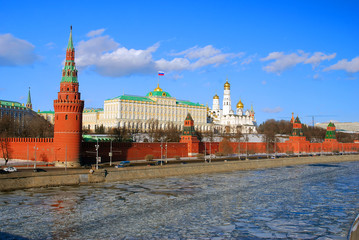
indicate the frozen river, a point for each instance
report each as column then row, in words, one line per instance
column 317, row 201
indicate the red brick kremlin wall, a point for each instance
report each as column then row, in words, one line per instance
column 23, row 148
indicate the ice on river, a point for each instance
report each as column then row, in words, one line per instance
column 300, row 202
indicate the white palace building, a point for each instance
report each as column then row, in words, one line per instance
column 140, row 112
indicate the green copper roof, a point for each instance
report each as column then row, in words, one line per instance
column 70, row 45
column 86, row 110
column 158, row 94
column 331, row 124
column 29, row 97
column 189, row 103
column 6, row 103
column 47, row 112
column 297, row 120
column 132, row 98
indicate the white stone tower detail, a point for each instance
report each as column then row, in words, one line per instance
column 227, row 99
column 215, row 106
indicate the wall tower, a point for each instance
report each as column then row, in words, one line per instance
column 330, row 134
column 68, row 114
column 189, row 136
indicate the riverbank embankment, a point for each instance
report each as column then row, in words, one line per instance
column 24, row 180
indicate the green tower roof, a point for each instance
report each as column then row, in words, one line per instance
column 29, row 97
column 69, row 71
column 189, row 117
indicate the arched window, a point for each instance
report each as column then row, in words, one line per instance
column 65, row 117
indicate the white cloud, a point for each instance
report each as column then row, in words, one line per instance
column 248, row 59
column 108, row 58
column 317, row 57
column 95, row 32
column 273, row 110
column 15, row 51
column 282, row 61
column 264, row 82
column 285, row 61
column 349, row 66
column 196, row 52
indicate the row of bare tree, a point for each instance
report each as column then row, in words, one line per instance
column 30, row 126
column 271, row 128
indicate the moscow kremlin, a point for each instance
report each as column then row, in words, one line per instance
column 70, row 117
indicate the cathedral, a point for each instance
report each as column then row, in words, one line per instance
column 229, row 119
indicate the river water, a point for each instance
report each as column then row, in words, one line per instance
column 317, row 201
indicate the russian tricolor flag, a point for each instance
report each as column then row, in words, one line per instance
column 161, row 73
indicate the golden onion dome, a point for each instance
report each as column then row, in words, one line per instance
column 158, row 89
column 216, row 97
column 227, row 86
column 240, row 104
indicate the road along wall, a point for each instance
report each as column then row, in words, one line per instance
column 82, row 176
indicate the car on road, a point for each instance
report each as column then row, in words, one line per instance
column 123, row 164
column 2, row 171
column 10, row 169
column 39, row 170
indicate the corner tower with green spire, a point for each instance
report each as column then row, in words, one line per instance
column 68, row 114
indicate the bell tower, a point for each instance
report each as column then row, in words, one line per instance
column 68, row 114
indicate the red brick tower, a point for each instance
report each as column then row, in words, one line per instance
column 68, row 114
column 297, row 138
column 189, row 136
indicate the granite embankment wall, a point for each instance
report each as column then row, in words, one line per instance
column 74, row 177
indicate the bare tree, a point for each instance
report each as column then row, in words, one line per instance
column 121, row 134
column 224, row 147
column 171, row 133
column 5, row 149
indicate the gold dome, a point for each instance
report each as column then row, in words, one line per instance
column 227, row 86
column 216, row 97
column 158, row 89
column 240, row 104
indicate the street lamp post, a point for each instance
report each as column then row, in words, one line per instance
column 66, row 157
column 110, row 153
column 97, row 147
column 36, row 148
column 161, row 153
column 205, row 151
column 166, row 151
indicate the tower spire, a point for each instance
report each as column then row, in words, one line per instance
column 69, row 73
column 28, row 103
column 70, row 45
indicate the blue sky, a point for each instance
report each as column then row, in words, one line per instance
column 280, row 56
